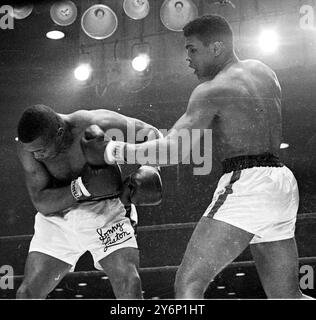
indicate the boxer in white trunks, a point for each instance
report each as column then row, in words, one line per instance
column 256, row 199
column 81, row 207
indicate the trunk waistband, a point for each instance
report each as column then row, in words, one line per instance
column 250, row 161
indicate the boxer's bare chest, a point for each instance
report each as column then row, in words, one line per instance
column 68, row 164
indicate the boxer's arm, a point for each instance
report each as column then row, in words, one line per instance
column 128, row 129
column 202, row 108
column 46, row 199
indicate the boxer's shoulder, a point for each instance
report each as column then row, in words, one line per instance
column 27, row 159
column 217, row 88
column 84, row 118
column 79, row 118
column 256, row 68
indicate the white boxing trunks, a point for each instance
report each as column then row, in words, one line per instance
column 260, row 200
column 100, row 227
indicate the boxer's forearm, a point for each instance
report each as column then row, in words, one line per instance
column 147, row 134
column 53, row 201
column 161, row 152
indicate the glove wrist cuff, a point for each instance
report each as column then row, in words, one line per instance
column 114, row 152
column 78, row 190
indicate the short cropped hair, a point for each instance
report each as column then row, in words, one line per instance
column 37, row 121
column 210, row 28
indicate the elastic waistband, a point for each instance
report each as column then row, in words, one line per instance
column 101, row 198
column 250, row 161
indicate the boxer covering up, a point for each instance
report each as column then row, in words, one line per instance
column 80, row 206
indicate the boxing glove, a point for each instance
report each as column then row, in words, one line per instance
column 143, row 188
column 97, row 183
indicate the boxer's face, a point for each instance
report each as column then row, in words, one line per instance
column 201, row 58
column 42, row 148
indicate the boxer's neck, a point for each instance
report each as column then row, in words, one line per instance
column 225, row 63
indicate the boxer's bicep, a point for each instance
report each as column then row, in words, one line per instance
column 194, row 123
column 200, row 112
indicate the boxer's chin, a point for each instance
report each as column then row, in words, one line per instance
column 200, row 77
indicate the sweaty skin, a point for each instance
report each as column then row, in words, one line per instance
column 247, row 101
column 49, row 168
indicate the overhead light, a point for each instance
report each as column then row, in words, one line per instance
column 63, row 13
column 136, row 9
column 55, row 35
column 99, row 22
column 221, row 287
column 59, row 289
column 83, row 72
column 175, row 14
column 141, row 62
column 268, row 41
column 284, row 145
column 78, row 296
column 141, row 56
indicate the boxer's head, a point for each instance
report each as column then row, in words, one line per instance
column 209, row 41
column 41, row 130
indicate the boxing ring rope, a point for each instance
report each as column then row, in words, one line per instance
column 172, row 226
column 161, row 227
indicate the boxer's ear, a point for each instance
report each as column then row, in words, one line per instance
column 60, row 131
column 218, row 48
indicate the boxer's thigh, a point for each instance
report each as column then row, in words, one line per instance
column 121, row 267
column 120, row 262
column 277, row 265
column 43, row 273
column 213, row 245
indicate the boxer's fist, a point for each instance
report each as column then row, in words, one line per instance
column 143, row 188
column 93, row 144
column 97, row 183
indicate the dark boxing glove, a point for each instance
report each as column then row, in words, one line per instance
column 97, row 183
column 143, row 188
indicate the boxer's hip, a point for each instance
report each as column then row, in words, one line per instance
column 251, row 161
column 254, row 197
column 84, row 216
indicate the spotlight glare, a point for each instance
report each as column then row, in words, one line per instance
column 82, row 284
column 82, row 72
column 284, row 145
column 268, row 41
column 55, row 35
column 240, row 274
column 141, row 62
